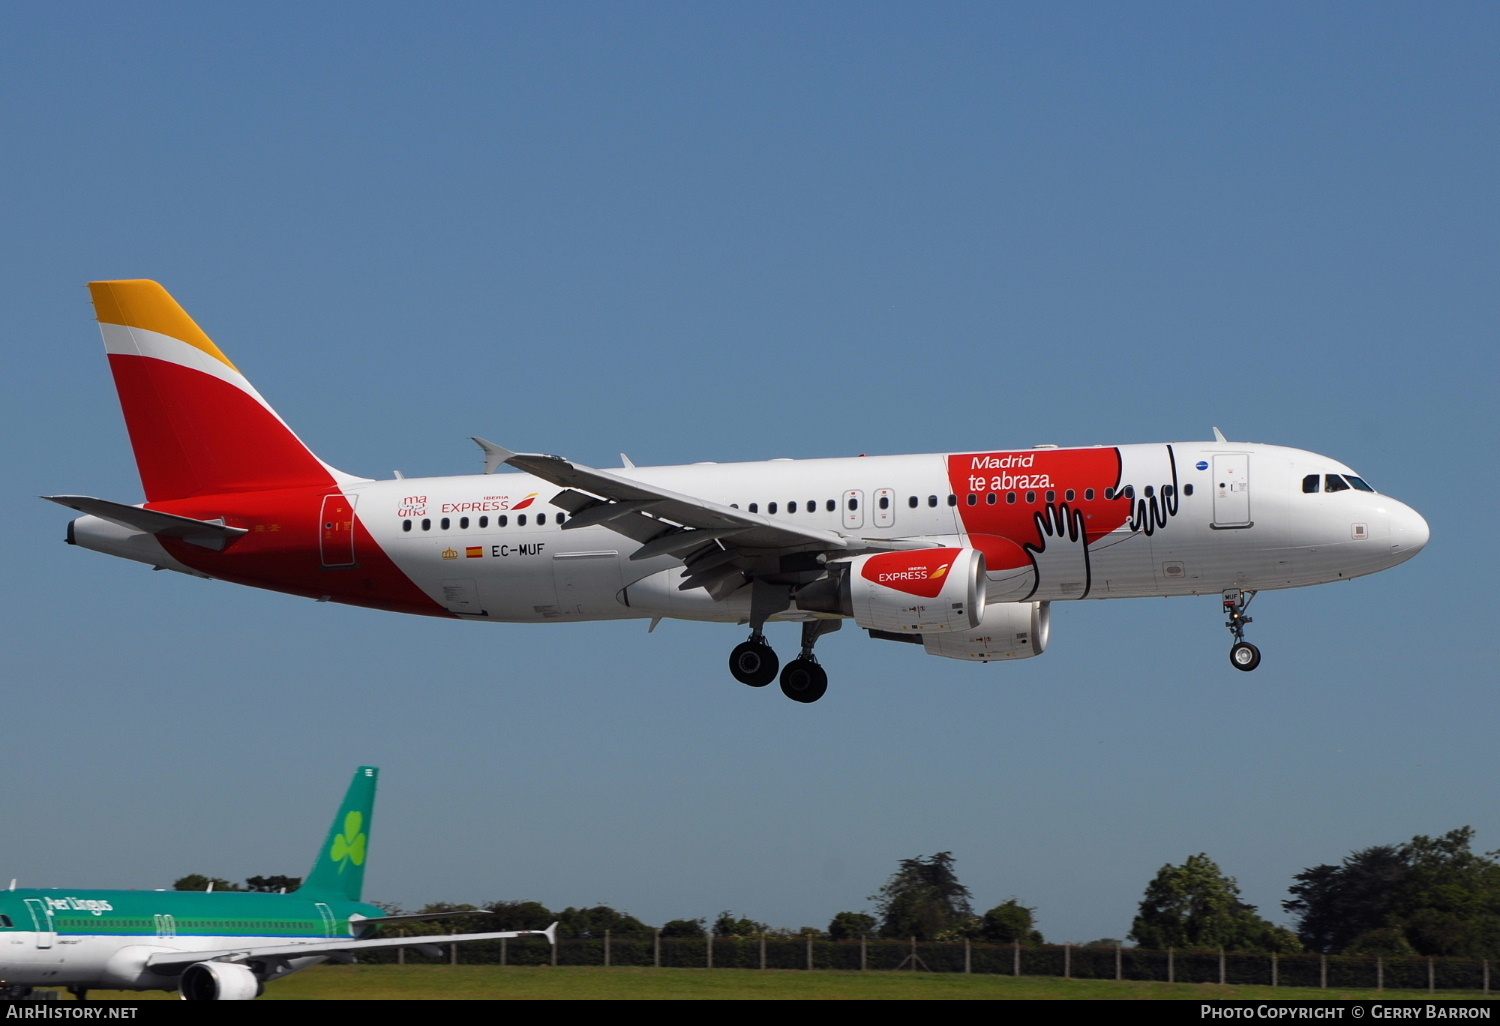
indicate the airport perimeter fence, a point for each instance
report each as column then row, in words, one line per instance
column 1091, row 963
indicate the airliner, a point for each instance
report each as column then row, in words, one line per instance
column 959, row 553
column 210, row 946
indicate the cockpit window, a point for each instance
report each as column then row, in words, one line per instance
column 1334, row 483
column 1358, row 482
column 1310, row 483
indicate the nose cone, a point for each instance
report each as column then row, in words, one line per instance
column 1409, row 532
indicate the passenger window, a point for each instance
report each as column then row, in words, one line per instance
column 521, row 520
column 755, row 507
column 1109, row 493
column 992, row 498
column 1167, row 491
column 932, row 501
column 1051, row 497
column 541, row 518
column 484, row 522
column 427, row 525
column 1334, row 483
column 771, row 508
column 952, row 499
column 1150, row 491
column 1070, row 495
column 1088, row 495
column 911, row 502
column 1187, row 489
column 406, row 525
column 973, row 499
column 1010, row 497
column 1310, row 484
column 791, row 507
column 885, row 502
column 1030, row 497
column 833, row 506
column 444, row 523
column 502, row 520
column 463, row 523
column 854, row 504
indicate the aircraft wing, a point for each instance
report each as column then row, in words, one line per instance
column 169, row 963
column 720, row 545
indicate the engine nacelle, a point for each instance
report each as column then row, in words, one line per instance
column 915, row 592
column 219, row 981
column 1011, row 630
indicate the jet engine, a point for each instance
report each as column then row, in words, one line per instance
column 219, row 981
column 1011, row 630
column 910, row 592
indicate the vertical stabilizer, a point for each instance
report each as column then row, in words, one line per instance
column 339, row 871
column 197, row 425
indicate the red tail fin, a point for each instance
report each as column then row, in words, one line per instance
column 197, row 426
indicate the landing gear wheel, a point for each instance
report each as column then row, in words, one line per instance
column 1244, row 656
column 804, row 680
column 753, row 663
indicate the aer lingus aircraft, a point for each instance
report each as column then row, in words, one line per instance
column 960, row 553
column 220, row 946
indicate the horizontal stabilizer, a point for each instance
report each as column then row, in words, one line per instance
column 208, row 534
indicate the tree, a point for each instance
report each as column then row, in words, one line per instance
column 1010, row 923
column 851, row 926
column 727, row 925
column 1195, row 905
column 592, row 922
column 519, row 915
column 199, row 882
column 692, row 928
column 272, row 884
column 1429, row 896
column 923, row 899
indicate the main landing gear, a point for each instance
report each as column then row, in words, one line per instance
column 1242, row 654
column 753, row 662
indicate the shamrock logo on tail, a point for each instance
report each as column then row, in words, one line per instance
column 349, row 846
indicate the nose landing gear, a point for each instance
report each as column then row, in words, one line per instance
column 1242, row 655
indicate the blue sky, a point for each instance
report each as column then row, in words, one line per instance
column 723, row 232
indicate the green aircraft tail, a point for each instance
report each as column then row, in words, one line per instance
column 339, row 871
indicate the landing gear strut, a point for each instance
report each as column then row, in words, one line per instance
column 754, row 662
column 1242, row 654
column 804, row 680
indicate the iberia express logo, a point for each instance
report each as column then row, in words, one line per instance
column 922, row 573
column 527, row 501
column 349, row 846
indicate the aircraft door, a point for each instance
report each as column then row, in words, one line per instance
column 587, row 582
column 885, row 507
column 854, row 509
column 1232, row 490
column 336, row 531
column 330, row 923
column 41, row 918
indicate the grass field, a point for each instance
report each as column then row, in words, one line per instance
column 464, row 982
